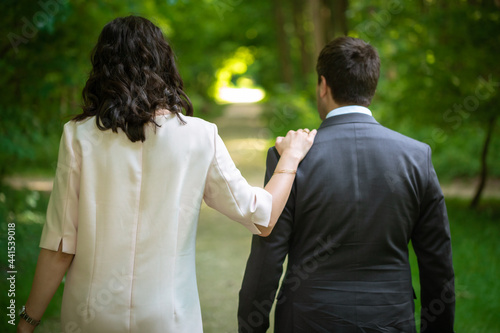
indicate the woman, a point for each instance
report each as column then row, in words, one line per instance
column 123, row 213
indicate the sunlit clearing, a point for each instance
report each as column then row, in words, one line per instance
column 241, row 95
column 244, row 90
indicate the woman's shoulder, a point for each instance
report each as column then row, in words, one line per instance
column 186, row 124
column 74, row 125
column 195, row 121
column 197, row 124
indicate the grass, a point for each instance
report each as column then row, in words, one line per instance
column 475, row 236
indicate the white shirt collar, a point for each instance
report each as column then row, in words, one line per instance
column 349, row 109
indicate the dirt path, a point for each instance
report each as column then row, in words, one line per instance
column 247, row 140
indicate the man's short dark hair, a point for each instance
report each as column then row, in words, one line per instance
column 351, row 68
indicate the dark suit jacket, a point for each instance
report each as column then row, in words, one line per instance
column 361, row 194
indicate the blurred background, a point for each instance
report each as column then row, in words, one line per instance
column 249, row 66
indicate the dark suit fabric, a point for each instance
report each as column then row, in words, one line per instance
column 361, row 194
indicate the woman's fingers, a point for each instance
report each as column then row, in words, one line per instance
column 299, row 142
column 279, row 144
column 306, row 130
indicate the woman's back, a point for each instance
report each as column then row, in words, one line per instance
column 138, row 206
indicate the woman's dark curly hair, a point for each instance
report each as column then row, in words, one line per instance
column 133, row 75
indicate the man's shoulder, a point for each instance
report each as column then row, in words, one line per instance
column 403, row 139
column 376, row 133
column 272, row 151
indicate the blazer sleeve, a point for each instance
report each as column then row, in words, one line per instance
column 265, row 265
column 62, row 212
column 229, row 193
column 432, row 244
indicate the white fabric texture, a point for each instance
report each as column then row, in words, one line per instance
column 349, row 109
column 129, row 212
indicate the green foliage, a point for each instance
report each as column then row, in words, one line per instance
column 456, row 153
column 284, row 112
column 439, row 80
column 45, row 61
column 441, row 61
column 27, row 142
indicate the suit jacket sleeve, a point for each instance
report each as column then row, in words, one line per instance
column 432, row 244
column 265, row 266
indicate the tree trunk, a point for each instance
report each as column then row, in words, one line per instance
column 338, row 19
column 283, row 47
column 484, row 163
column 422, row 6
column 319, row 29
column 3, row 172
column 335, row 19
column 298, row 21
column 329, row 21
column 327, row 8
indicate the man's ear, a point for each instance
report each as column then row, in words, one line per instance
column 323, row 87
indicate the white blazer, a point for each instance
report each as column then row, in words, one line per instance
column 129, row 212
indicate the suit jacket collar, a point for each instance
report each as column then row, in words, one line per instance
column 348, row 118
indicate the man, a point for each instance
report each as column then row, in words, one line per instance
column 360, row 196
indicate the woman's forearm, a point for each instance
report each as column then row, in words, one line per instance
column 50, row 269
column 280, row 186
